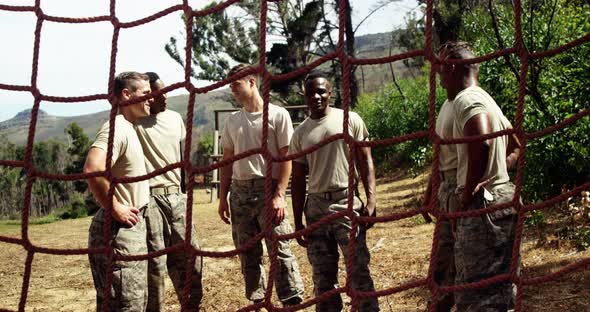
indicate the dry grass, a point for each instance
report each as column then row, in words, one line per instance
column 400, row 253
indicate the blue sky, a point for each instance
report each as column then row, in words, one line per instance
column 74, row 58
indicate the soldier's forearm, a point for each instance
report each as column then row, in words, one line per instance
column 298, row 196
column 225, row 174
column 298, row 199
column 428, row 189
column 512, row 158
column 367, row 170
column 477, row 154
column 370, row 186
column 283, row 179
column 99, row 187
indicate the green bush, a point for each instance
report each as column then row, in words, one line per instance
column 535, row 218
column 388, row 114
column 583, row 239
column 91, row 205
column 75, row 209
column 578, row 235
column 32, row 221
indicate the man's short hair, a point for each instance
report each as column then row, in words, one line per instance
column 127, row 80
column 241, row 67
column 459, row 50
column 153, row 77
column 314, row 74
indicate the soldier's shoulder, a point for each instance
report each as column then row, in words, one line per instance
column 234, row 115
column 472, row 95
column 304, row 124
column 276, row 110
column 169, row 112
column 355, row 115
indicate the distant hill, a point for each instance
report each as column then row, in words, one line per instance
column 16, row 129
column 48, row 126
column 372, row 42
column 372, row 77
column 375, row 76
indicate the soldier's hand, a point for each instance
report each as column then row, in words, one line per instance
column 127, row 215
column 301, row 239
column 370, row 210
column 481, row 184
column 425, row 203
column 223, row 211
column 426, row 217
column 278, row 207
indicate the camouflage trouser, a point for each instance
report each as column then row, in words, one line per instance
column 166, row 226
column 129, row 285
column 483, row 249
column 445, row 273
column 322, row 251
column 248, row 219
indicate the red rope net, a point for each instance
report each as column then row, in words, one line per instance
column 33, row 173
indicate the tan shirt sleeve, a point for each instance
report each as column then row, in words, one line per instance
column 182, row 130
column 467, row 107
column 295, row 147
column 102, row 142
column 226, row 139
column 283, row 128
column 505, row 122
column 358, row 127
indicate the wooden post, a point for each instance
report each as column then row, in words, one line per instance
column 215, row 177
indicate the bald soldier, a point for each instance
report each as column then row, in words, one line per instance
column 480, row 247
column 328, row 194
column 161, row 135
column 129, row 285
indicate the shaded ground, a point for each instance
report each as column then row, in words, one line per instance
column 400, row 253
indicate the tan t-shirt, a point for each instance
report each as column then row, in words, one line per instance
column 444, row 129
column 127, row 161
column 468, row 103
column 160, row 136
column 328, row 167
column 243, row 131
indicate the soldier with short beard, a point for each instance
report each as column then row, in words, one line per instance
column 129, row 285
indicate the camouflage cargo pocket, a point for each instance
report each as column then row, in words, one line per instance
column 129, row 288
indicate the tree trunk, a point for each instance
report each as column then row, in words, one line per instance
column 363, row 77
column 393, row 72
column 349, row 33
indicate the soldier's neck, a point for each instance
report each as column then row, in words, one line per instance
column 254, row 104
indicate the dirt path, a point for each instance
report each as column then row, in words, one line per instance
column 400, row 253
